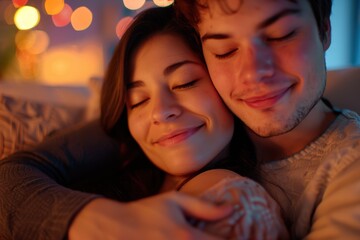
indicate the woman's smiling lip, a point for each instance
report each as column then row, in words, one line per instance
column 177, row 136
column 266, row 101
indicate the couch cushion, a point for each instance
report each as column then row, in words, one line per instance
column 24, row 123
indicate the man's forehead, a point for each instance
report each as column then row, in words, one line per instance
column 228, row 6
column 209, row 8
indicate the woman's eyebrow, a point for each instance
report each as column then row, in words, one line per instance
column 135, row 84
column 173, row 67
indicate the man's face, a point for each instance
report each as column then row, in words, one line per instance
column 266, row 61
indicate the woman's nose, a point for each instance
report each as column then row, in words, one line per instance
column 165, row 108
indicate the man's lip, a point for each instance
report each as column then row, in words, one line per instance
column 177, row 136
column 267, row 100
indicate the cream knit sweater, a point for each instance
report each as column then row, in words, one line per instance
column 322, row 183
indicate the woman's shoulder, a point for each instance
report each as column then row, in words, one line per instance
column 205, row 180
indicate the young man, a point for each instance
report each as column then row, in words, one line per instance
column 266, row 59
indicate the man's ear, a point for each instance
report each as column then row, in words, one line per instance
column 327, row 34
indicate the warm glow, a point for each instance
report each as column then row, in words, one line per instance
column 163, row 3
column 19, row 3
column 9, row 14
column 26, row 17
column 122, row 25
column 33, row 42
column 53, row 7
column 133, row 4
column 72, row 64
column 81, row 18
column 64, row 17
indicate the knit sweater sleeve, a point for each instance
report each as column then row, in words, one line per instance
column 36, row 200
column 338, row 213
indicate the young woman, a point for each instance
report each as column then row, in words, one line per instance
column 176, row 134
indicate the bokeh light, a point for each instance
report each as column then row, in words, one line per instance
column 53, row 7
column 19, row 3
column 81, row 18
column 163, row 3
column 133, row 4
column 33, row 41
column 9, row 14
column 122, row 25
column 64, row 17
column 63, row 64
column 26, row 17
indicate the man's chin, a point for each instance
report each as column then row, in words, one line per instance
column 268, row 132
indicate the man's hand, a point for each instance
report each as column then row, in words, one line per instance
column 158, row 217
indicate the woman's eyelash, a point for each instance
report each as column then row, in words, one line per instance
column 186, row 85
column 138, row 104
column 285, row 37
column 226, row 55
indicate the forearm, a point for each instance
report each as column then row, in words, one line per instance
column 34, row 206
column 34, row 203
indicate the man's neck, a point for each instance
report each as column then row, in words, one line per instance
column 285, row 145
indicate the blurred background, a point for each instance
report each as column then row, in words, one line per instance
column 67, row 42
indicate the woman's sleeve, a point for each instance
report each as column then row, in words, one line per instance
column 36, row 200
column 256, row 215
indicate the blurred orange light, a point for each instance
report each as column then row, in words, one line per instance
column 64, row 17
column 19, row 3
column 81, row 18
column 33, row 42
column 9, row 14
column 26, row 17
column 122, row 25
column 53, row 7
column 60, row 65
column 133, row 4
column 163, row 3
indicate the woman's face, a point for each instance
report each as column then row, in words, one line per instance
column 174, row 111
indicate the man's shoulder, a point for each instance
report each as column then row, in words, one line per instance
column 345, row 142
column 348, row 125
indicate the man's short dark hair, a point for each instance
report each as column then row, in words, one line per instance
column 190, row 10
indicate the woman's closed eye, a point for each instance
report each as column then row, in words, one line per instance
column 137, row 104
column 186, row 85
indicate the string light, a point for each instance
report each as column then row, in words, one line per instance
column 19, row 3
column 53, row 7
column 26, row 17
column 81, row 18
column 64, row 17
column 163, row 3
column 123, row 25
column 133, row 4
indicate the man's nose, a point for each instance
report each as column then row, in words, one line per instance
column 257, row 63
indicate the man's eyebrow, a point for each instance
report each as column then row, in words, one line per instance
column 167, row 71
column 208, row 36
column 276, row 17
column 261, row 25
